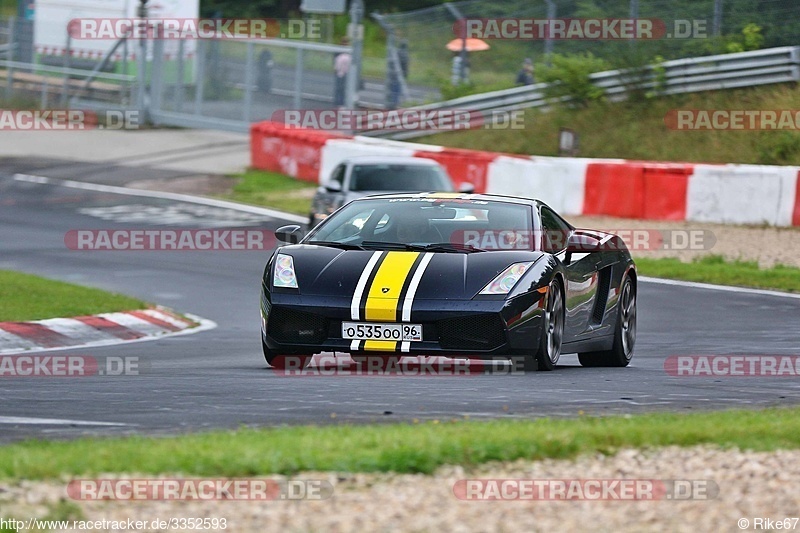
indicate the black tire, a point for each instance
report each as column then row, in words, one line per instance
column 282, row 362
column 549, row 350
column 621, row 351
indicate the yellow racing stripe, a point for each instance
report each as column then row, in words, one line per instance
column 380, row 346
column 384, row 294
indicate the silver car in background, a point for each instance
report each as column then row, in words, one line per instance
column 361, row 176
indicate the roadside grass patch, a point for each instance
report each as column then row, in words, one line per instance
column 718, row 270
column 403, row 448
column 29, row 297
column 271, row 189
column 636, row 130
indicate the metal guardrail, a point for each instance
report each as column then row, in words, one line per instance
column 725, row 71
column 74, row 73
column 69, row 86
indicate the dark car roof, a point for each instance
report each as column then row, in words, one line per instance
column 391, row 160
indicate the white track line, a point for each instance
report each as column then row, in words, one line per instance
column 188, row 198
column 53, row 421
column 726, row 288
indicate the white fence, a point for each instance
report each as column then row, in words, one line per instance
column 5, row 39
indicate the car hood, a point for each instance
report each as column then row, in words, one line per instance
column 326, row 271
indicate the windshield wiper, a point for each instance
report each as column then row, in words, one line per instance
column 394, row 245
column 452, row 247
column 334, row 244
column 446, row 247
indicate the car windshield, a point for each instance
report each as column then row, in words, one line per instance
column 399, row 177
column 443, row 225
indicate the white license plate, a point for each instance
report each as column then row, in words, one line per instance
column 372, row 331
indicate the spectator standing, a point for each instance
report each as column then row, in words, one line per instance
column 342, row 63
column 525, row 75
column 455, row 75
column 402, row 55
column 393, row 100
column 265, row 64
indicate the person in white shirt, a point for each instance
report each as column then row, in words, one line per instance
column 341, row 67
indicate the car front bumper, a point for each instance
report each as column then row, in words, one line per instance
column 478, row 328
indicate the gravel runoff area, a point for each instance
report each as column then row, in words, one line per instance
column 750, row 486
column 765, row 244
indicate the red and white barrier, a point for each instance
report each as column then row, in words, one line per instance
column 727, row 194
column 796, row 215
column 295, row 152
column 743, row 194
column 104, row 329
column 558, row 181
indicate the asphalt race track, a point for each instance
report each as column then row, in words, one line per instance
column 218, row 378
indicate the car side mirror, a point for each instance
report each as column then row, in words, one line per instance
column 291, row 233
column 581, row 244
column 333, row 186
column 466, row 187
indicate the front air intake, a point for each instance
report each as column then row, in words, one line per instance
column 297, row 327
column 475, row 332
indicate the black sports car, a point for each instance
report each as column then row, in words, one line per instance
column 450, row 274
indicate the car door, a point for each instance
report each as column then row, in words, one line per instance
column 581, row 270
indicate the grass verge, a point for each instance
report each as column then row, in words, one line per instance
column 271, row 189
column 28, row 297
column 404, row 448
column 715, row 269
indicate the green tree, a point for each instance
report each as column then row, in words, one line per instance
column 568, row 77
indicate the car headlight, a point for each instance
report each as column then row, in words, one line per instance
column 283, row 273
column 506, row 280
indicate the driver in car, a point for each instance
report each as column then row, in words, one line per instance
column 508, row 230
column 414, row 227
